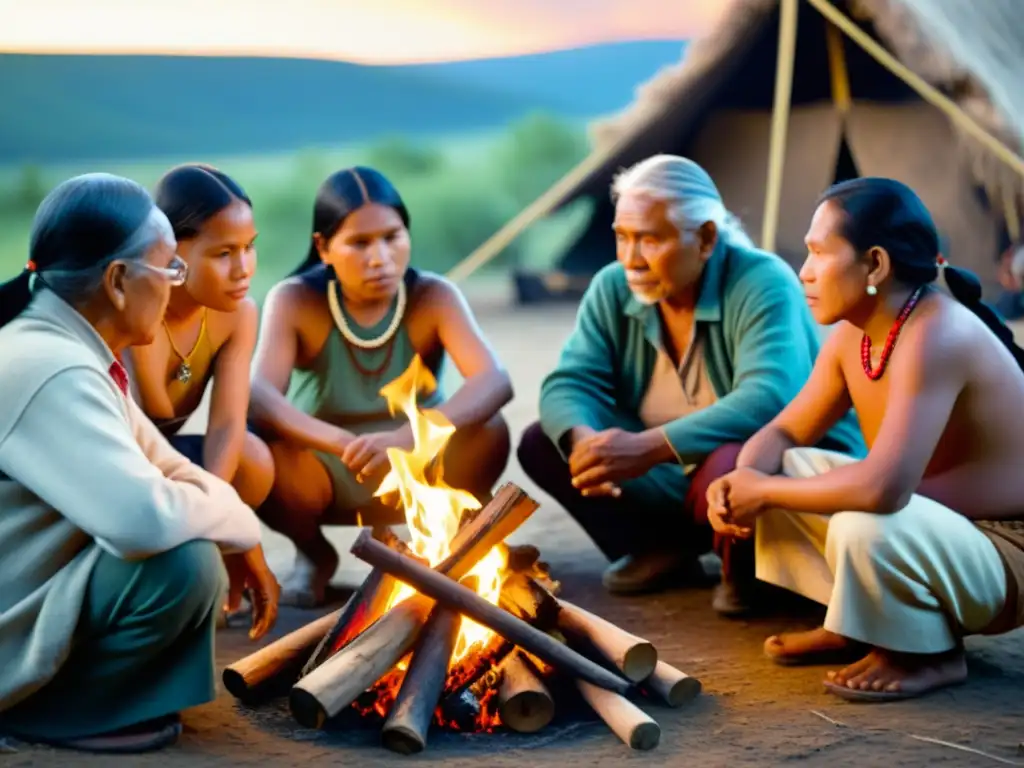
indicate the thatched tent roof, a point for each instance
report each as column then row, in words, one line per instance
column 972, row 50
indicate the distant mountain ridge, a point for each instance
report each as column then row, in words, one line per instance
column 584, row 81
column 70, row 108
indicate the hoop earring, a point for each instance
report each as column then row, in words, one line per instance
column 871, row 290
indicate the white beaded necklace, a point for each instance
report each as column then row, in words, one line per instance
column 334, row 302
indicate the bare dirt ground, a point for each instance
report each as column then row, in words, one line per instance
column 751, row 712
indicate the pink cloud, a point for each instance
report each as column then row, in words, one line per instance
column 379, row 31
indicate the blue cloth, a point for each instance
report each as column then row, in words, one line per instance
column 189, row 446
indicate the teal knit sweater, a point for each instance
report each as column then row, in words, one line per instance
column 761, row 346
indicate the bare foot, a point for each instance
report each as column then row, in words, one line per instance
column 887, row 675
column 816, row 646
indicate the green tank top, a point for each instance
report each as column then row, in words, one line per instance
column 342, row 386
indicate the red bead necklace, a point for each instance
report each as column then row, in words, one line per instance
column 865, row 343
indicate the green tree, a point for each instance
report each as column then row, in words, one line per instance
column 452, row 214
column 402, row 158
column 537, row 152
column 31, row 189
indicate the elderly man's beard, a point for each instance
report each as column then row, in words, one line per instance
column 649, row 293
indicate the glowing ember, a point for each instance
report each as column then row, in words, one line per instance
column 432, row 508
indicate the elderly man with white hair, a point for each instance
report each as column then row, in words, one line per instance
column 684, row 348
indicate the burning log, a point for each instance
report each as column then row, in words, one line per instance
column 364, row 607
column 469, row 682
column 272, row 669
column 633, row 656
column 522, row 557
column 528, row 600
column 336, row 683
column 506, row 510
column 673, row 687
column 510, row 508
column 457, row 597
column 524, row 702
column 626, row 720
column 406, row 728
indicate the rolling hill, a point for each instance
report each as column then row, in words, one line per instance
column 70, row 108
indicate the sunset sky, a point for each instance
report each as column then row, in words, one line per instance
column 370, row 31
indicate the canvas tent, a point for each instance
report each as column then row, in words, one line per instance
column 943, row 111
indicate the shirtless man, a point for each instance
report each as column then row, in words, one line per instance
column 937, row 384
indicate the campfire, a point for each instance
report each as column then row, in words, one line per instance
column 456, row 629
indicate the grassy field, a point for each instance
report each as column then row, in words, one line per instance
column 459, row 190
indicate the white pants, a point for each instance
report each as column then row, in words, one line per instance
column 912, row 581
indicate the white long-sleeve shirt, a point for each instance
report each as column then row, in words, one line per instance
column 82, row 470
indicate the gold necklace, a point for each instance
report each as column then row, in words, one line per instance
column 184, row 372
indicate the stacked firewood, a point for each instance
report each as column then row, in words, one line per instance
column 397, row 662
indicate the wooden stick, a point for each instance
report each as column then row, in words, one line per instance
column 524, row 702
column 633, row 656
column 364, row 607
column 460, row 704
column 626, row 720
column 457, row 597
column 673, row 687
column 521, row 557
column 510, row 508
column 405, row 730
column 530, row 601
column 320, row 696
column 336, row 683
column 276, row 665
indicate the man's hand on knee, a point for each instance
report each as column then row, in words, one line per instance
column 599, row 462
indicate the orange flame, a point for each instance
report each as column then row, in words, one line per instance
column 433, row 509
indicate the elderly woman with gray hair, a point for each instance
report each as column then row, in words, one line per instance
column 110, row 572
column 684, row 348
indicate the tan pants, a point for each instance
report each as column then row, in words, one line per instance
column 912, row 581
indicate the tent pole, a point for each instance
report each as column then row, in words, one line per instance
column 923, row 88
column 536, row 210
column 788, row 14
column 840, row 74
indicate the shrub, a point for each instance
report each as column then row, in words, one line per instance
column 401, row 158
column 454, row 213
column 537, row 152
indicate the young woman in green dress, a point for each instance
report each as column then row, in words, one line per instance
column 348, row 321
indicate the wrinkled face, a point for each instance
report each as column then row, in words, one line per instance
column 660, row 260
column 139, row 289
column 369, row 253
column 834, row 276
column 221, row 258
